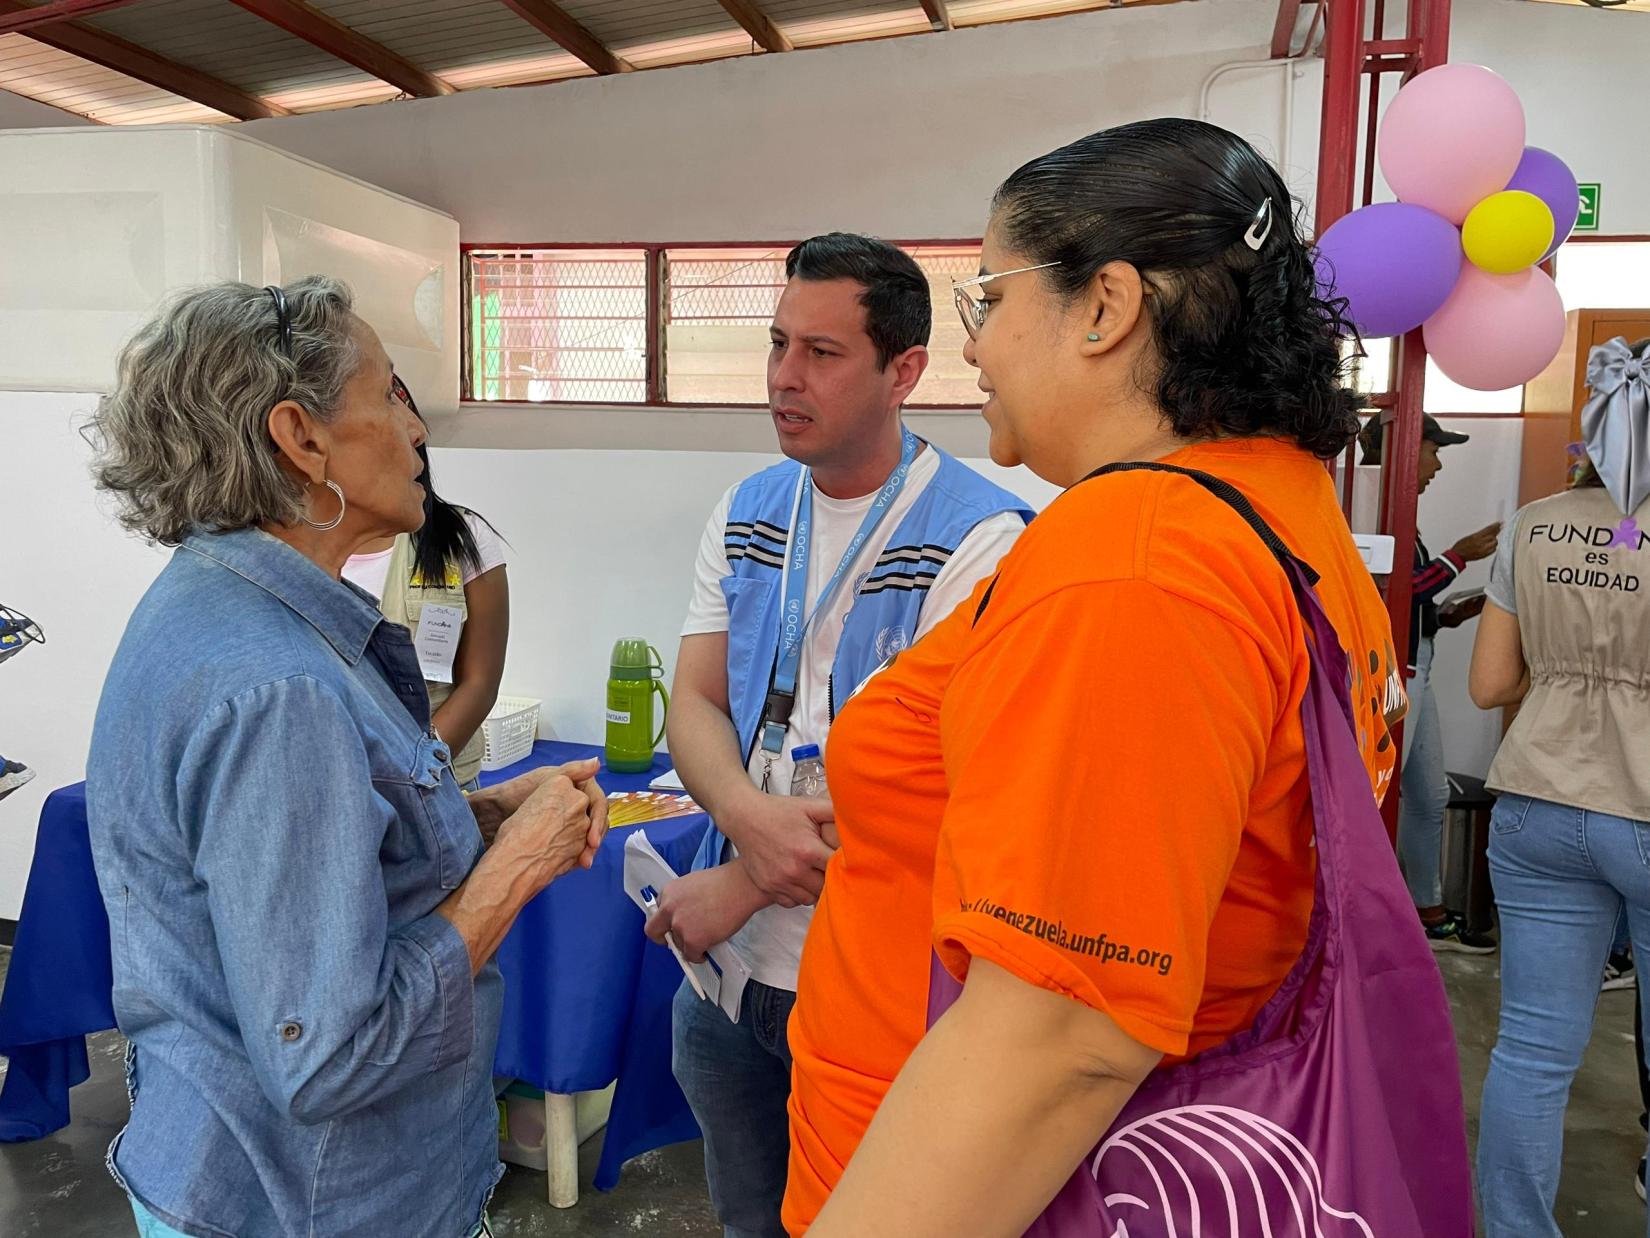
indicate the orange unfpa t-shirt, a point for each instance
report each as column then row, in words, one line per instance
column 1100, row 787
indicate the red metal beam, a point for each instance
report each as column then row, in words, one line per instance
column 336, row 39
column 1338, row 132
column 90, row 43
column 57, row 11
column 557, row 23
column 758, row 25
column 1283, row 32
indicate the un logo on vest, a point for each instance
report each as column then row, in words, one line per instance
column 890, row 641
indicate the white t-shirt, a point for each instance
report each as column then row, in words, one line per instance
column 372, row 572
column 772, row 940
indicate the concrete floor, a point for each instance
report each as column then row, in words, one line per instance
column 57, row 1187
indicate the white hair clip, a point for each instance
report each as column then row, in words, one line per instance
column 1261, row 227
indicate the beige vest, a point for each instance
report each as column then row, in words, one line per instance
column 403, row 602
column 1582, row 735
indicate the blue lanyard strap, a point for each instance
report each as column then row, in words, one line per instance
column 794, row 619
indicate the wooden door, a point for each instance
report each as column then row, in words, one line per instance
column 1553, row 400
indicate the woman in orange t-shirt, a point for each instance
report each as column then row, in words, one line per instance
column 1087, row 789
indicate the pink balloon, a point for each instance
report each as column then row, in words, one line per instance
column 1451, row 138
column 1497, row 331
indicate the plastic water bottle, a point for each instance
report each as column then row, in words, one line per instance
column 807, row 771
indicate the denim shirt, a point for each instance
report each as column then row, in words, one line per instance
column 273, row 827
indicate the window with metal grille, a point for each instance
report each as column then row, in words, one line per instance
column 572, row 326
column 557, row 325
column 718, row 304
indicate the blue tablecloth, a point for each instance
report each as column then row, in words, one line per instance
column 587, row 997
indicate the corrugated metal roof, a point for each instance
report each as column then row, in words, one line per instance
column 443, row 35
column 620, row 23
column 43, row 73
column 981, row 12
column 811, row 23
column 467, row 43
column 225, row 41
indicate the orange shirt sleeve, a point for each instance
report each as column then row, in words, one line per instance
column 1101, row 746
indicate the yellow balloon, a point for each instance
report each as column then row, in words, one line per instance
column 1508, row 232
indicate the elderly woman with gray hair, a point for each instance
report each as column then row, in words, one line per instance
column 303, row 906
column 1566, row 636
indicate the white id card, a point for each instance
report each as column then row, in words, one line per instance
column 439, row 628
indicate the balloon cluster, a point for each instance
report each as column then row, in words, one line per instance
column 1457, row 254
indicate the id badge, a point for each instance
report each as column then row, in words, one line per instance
column 439, row 629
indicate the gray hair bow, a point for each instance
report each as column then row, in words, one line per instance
column 1615, row 422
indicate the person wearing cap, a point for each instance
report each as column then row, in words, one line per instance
column 1424, row 784
column 1566, row 637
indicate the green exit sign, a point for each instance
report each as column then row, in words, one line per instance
column 1587, row 221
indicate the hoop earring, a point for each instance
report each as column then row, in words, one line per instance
column 342, row 507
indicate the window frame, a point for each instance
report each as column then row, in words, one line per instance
column 654, row 328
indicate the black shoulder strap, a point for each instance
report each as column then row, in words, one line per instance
column 1222, row 490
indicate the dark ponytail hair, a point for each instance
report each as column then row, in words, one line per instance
column 444, row 539
column 1247, row 342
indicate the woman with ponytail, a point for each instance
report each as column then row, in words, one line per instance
column 455, row 560
column 1077, row 827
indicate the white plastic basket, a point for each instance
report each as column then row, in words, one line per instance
column 509, row 730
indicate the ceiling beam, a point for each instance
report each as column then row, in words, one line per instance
column 557, row 23
column 57, row 11
column 336, row 39
column 938, row 14
column 757, row 24
column 1283, row 30
column 90, row 43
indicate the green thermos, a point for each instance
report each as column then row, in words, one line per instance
column 636, row 674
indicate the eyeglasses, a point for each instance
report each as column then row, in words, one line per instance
column 283, row 318
column 405, row 396
column 972, row 308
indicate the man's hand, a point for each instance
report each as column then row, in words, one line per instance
column 780, row 842
column 493, row 805
column 1479, row 545
column 704, row 909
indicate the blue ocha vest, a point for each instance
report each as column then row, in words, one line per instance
column 888, row 599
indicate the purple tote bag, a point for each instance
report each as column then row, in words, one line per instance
column 1338, row 1114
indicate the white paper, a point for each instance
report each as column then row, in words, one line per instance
column 1376, row 549
column 670, row 780
column 439, row 628
column 646, row 869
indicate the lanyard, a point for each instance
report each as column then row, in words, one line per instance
column 794, row 621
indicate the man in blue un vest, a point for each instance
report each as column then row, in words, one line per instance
column 811, row 574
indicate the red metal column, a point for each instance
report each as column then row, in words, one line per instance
column 1343, row 58
column 1351, row 51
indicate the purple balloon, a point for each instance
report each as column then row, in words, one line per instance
column 1548, row 177
column 1394, row 263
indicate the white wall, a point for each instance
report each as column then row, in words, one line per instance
column 69, row 567
column 17, row 112
column 1477, row 486
column 1580, row 74
column 903, row 137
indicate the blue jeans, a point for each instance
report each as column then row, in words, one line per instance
column 151, row 1226
column 1562, row 876
column 1423, row 788
column 737, row 1080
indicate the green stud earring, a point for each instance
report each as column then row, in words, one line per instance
column 1093, row 338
